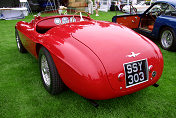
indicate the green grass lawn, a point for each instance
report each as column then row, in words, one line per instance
column 22, row 94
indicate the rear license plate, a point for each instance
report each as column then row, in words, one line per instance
column 136, row 72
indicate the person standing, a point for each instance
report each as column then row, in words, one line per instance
column 97, row 6
column 119, row 4
column 90, row 6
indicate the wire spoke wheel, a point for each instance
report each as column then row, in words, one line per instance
column 18, row 42
column 49, row 74
column 45, row 70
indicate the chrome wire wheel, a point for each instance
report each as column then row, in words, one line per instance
column 18, row 42
column 45, row 70
column 20, row 46
column 49, row 74
column 167, row 39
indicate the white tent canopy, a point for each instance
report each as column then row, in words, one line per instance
column 23, row 0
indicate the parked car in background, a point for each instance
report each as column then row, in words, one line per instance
column 158, row 21
column 96, row 59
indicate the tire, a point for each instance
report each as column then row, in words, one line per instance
column 19, row 44
column 167, row 39
column 50, row 78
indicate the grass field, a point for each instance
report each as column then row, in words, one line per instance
column 22, row 94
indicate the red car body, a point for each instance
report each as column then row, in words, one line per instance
column 90, row 56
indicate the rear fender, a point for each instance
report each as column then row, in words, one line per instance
column 80, row 69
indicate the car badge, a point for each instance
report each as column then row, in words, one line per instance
column 133, row 54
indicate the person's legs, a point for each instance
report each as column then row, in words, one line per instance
column 92, row 8
column 97, row 12
column 96, row 8
column 89, row 8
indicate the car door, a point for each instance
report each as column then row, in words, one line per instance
column 151, row 16
column 130, row 21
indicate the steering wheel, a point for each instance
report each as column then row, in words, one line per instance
column 156, row 12
column 80, row 13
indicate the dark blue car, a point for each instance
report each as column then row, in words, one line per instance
column 158, row 21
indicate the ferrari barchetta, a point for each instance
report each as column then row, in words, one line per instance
column 96, row 59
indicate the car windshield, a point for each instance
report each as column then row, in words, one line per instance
column 170, row 11
column 161, row 7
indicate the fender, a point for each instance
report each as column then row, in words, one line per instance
column 161, row 22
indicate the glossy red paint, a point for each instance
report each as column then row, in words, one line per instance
column 89, row 55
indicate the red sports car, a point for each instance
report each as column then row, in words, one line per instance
column 96, row 59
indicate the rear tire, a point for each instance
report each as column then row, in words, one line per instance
column 19, row 44
column 49, row 74
column 167, row 39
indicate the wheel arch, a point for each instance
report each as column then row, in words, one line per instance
column 172, row 47
column 38, row 46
